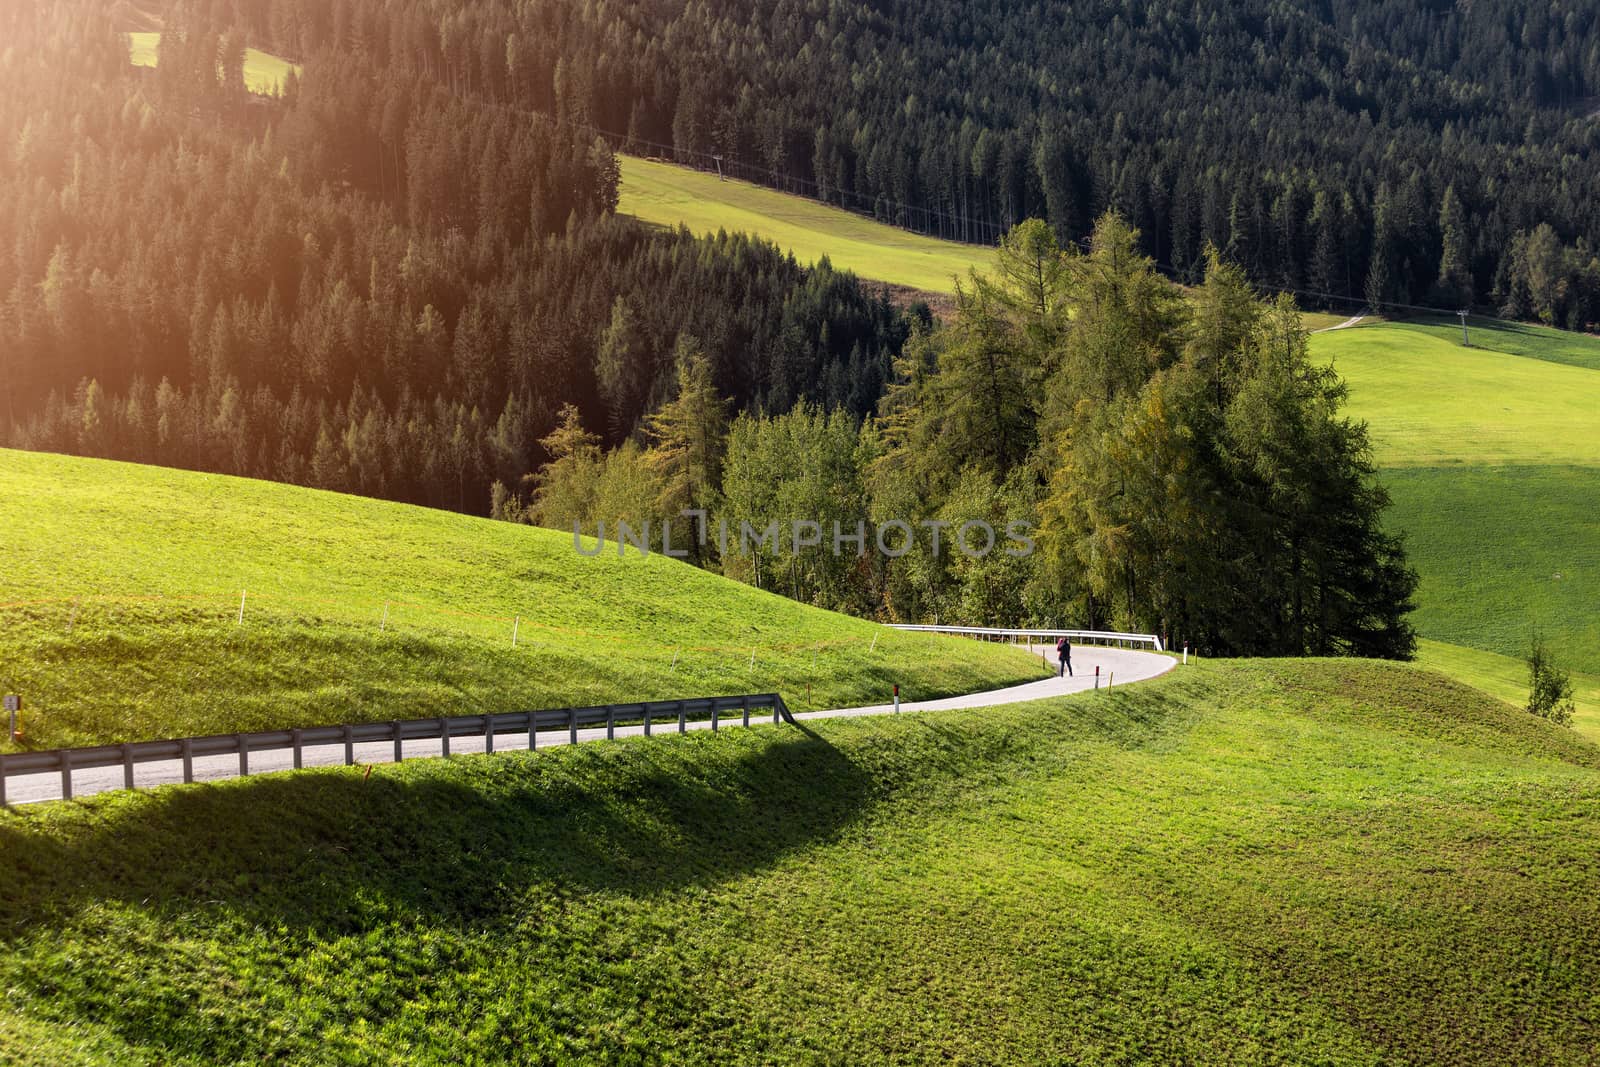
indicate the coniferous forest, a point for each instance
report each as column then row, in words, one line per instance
column 1376, row 150
column 404, row 277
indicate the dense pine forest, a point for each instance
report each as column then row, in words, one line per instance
column 1377, row 150
column 403, row 276
column 372, row 284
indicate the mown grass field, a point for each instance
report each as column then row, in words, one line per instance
column 1433, row 403
column 1270, row 862
column 1515, row 338
column 120, row 588
column 263, row 73
column 1492, row 455
column 672, row 196
column 1506, row 677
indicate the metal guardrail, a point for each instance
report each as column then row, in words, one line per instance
column 1087, row 636
column 187, row 749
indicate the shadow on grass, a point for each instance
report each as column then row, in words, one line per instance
column 464, row 841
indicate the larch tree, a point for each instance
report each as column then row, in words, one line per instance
column 689, row 438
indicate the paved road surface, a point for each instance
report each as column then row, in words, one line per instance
column 1119, row 664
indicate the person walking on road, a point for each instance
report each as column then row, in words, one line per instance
column 1064, row 654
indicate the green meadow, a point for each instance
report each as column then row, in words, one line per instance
column 1492, row 454
column 1241, row 862
column 1433, row 403
column 679, row 196
column 1506, row 677
column 121, row 588
column 263, row 73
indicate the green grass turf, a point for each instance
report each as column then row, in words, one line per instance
column 1272, row 862
column 120, row 588
column 1514, row 338
column 263, row 73
column 672, row 196
column 1504, row 551
column 1506, row 678
column 1493, row 459
column 1431, row 402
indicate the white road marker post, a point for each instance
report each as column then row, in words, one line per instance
column 242, row 596
column 897, row 698
column 673, row 669
column 1185, row 655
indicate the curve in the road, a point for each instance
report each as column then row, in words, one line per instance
column 1115, row 665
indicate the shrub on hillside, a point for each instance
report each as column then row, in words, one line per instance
column 1550, row 687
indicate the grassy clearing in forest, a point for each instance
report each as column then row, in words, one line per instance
column 263, row 73
column 672, row 196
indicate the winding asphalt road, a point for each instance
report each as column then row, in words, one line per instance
column 1116, row 665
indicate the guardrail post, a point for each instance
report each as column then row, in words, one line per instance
column 533, row 730
column 127, row 767
column 244, row 755
column 647, row 720
column 683, row 716
column 188, row 760
column 774, row 710
column 488, row 734
column 399, row 749
column 3, row 802
column 572, row 725
column 66, row 775
column 298, row 746
column 714, row 716
column 747, row 711
column 444, row 736
column 611, row 722
column 349, row 746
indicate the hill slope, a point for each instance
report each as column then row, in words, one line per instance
column 121, row 588
column 679, row 196
column 1493, row 456
column 1329, row 862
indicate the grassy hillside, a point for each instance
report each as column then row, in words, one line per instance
column 263, row 73
column 672, row 196
column 1307, row 862
column 1433, row 403
column 120, row 588
column 1493, row 457
column 1515, row 338
column 1506, row 677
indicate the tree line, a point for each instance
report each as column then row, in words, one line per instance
column 1375, row 150
column 1186, row 467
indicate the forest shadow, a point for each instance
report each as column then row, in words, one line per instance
column 337, row 851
